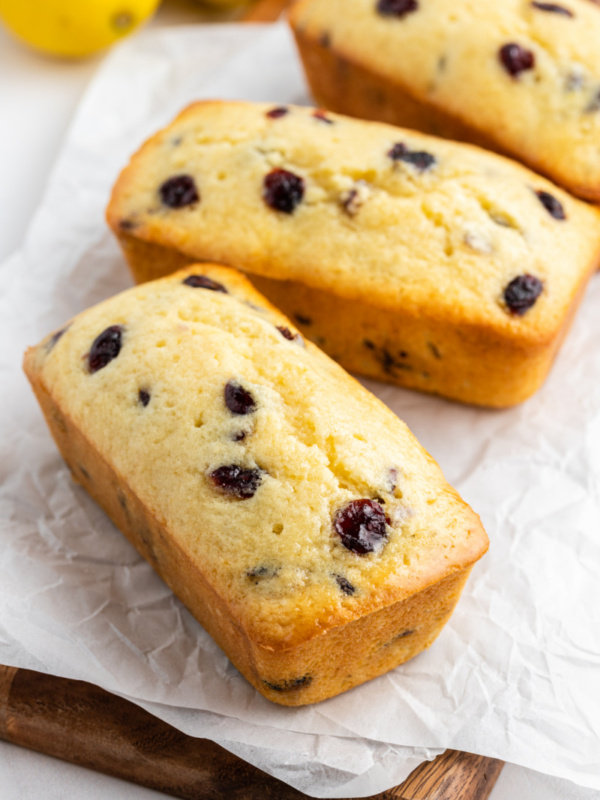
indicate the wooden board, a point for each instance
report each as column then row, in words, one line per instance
column 80, row 723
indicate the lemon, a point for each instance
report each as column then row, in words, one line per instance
column 74, row 27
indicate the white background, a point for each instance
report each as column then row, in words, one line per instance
column 37, row 99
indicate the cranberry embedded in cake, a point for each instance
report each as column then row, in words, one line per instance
column 277, row 112
column 418, row 158
column 553, row 206
column 238, row 400
column 105, row 347
column 516, row 59
column 553, row 8
column 143, row 397
column 179, row 191
column 236, row 481
column 345, row 585
column 283, row 190
column 202, row 282
column 522, row 292
column 362, row 526
column 396, row 8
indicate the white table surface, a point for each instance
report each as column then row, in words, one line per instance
column 37, row 99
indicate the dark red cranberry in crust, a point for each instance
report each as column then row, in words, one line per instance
column 553, row 206
column 286, row 333
column 418, row 158
column 522, row 292
column 105, row 347
column 397, row 8
column 179, row 191
column 553, row 9
column 290, row 686
column 361, row 525
column 283, row 190
column 143, row 397
column 345, row 585
column 54, row 338
column 516, row 59
column 202, row 282
column 321, row 115
column 238, row 400
column 260, row 573
column 279, row 111
column 236, row 481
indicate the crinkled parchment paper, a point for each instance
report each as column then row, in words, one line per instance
column 515, row 674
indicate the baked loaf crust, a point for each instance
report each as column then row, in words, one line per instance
column 407, row 258
column 516, row 76
column 288, row 508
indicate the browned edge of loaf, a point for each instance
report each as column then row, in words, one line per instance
column 85, row 725
column 343, row 85
column 265, row 10
column 489, row 369
column 304, row 669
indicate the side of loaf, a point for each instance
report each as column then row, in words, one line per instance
column 409, row 259
column 517, row 76
column 287, row 507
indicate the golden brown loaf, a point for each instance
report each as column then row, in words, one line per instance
column 407, row 258
column 288, row 508
column 517, row 76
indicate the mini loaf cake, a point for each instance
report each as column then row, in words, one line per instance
column 409, row 259
column 290, row 510
column 516, row 76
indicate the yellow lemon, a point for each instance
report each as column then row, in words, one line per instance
column 73, row 27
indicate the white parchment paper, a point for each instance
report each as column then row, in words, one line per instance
column 515, row 674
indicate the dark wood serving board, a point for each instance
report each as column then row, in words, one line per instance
column 83, row 724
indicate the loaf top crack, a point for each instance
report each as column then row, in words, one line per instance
column 365, row 210
column 300, row 497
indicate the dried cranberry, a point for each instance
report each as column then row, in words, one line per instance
column 202, row 282
column 522, row 292
column 289, row 686
column 322, row 116
column 361, row 526
column 278, row 111
column 236, row 481
column 238, row 400
column 344, row 585
column 105, row 347
column 179, row 191
column 144, row 397
column 239, row 436
column 283, row 190
column 516, row 59
column 392, row 479
column 418, row 158
column 286, row 333
column 553, row 9
column 553, row 206
column 396, row 8
column 55, row 337
column 260, row 573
